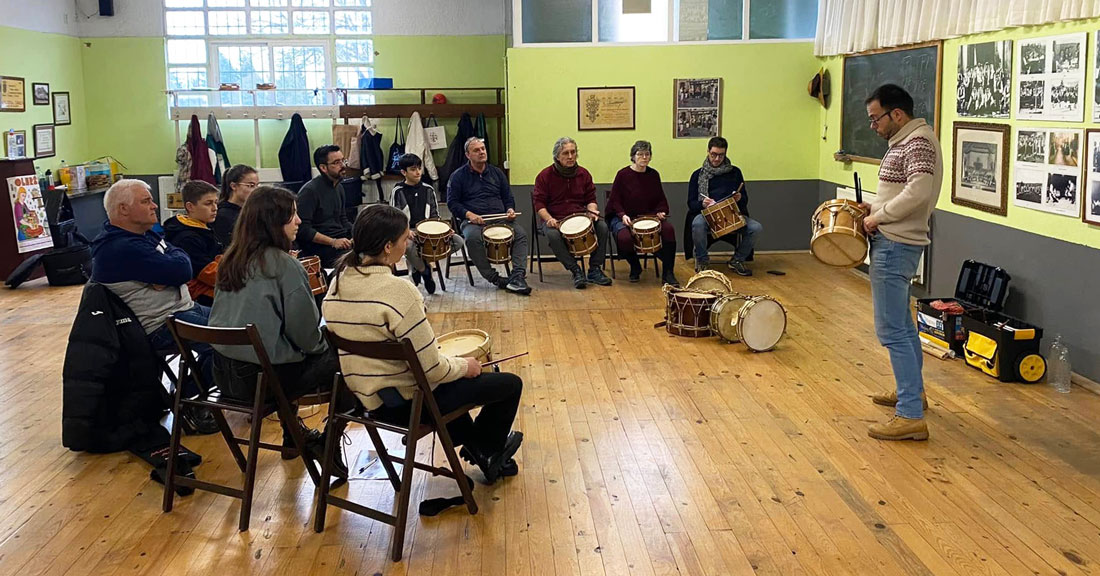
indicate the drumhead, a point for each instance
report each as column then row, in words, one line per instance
column 470, row 343
column 497, row 232
column 693, row 295
column 761, row 323
column 839, row 248
column 575, row 224
column 646, row 225
column 711, row 281
column 432, row 227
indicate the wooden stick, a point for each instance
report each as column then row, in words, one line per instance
column 495, row 362
column 498, row 216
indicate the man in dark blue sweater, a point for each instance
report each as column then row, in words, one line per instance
column 150, row 276
column 325, row 230
column 715, row 181
column 478, row 189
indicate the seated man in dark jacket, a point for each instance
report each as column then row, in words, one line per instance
column 714, row 182
column 192, row 234
column 149, row 275
column 325, row 230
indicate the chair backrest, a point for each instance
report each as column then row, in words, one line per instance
column 186, row 333
column 402, row 350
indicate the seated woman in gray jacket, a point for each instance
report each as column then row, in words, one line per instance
column 260, row 283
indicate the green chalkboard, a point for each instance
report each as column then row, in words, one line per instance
column 916, row 69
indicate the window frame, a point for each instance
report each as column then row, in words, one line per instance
column 673, row 31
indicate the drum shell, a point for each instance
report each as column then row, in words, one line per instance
column 837, row 237
column 724, row 315
column 646, row 241
column 580, row 243
column 498, row 250
column 432, row 246
column 482, row 351
column 723, row 218
column 688, row 313
column 318, row 285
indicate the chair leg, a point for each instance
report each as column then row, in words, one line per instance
column 449, row 256
column 331, row 445
column 405, row 493
column 384, row 457
column 439, row 273
column 173, row 449
column 253, row 456
column 456, row 469
column 230, row 439
column 282, row 406
column 469, row 270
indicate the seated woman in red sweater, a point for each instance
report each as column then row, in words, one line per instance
column 637, row 192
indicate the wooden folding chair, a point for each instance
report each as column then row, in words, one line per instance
column 415, row 430
column 186, row 333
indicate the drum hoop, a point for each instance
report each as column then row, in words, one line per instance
column 434, row 235
column 743, row 312
column 572, row 217
column 484, row 347
column 492, row 227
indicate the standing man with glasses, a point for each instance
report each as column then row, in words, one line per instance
column 325, row 230
column 897, row 223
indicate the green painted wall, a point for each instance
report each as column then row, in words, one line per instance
column 54, row 59
column 1051, row 225
column 766, row 115
column 129, row 112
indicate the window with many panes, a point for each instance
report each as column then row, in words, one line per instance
column 303, row 47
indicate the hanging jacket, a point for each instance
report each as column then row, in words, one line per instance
column 294, row 154
column 482, row 132
column 417, row 143
column 370, row 151
column 217, row 146
column 456, row 154
column 201, row 169
column 112, row 397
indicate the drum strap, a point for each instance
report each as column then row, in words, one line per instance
column 391, row 398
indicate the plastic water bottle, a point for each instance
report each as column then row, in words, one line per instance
column 1059, row 365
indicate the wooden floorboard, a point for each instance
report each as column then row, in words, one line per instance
column 644, row 454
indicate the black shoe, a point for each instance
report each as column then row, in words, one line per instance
column 159, row 456
column 517, row 284
column 508, row 469
column 290, row 451
column 739, row 267
column 578, row 280
column 670, row 278
column 316, row 450
column 160, row 473
column 415, row 275
column 429, row 283
column 492, row 465
column 596, row 276
column 198, row 420
column 635, row 273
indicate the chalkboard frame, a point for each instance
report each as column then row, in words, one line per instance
column 939, row 87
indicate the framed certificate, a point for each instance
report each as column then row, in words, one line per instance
column 608, row 108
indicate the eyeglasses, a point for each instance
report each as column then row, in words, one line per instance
column 874, row 121
column 343, row 162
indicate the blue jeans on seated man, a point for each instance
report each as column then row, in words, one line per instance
column 700, row 237
column 893, row 266
column 161, row 339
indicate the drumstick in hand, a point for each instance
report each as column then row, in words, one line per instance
column 495, row 362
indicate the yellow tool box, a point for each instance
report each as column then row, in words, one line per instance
column 1004, row 347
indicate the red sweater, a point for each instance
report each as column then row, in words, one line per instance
column 636, row 194
column 563, row 196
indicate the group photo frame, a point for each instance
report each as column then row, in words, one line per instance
column 985, row 80
column 1091, row 193
column 979, row 179
column 696, row 107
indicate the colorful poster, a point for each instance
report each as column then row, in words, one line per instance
column 32, row 230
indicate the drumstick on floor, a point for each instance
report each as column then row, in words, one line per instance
column 495, row 362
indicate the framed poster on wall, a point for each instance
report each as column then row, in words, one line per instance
column 1050, row 78
column 980, row 176
column 697, row 108
column 12, row 94
column 608, row 108
column 1048, row 170
column 1091, row 184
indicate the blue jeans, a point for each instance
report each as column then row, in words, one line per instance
column 893, row 265
column 161, row 339
column 700, row 235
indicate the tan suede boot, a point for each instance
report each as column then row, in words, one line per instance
column 898, row 428
column 891, row 399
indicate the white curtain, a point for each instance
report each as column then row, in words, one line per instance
column 846, row 26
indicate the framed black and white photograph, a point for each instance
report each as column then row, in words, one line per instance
column 40, row 93
column 1090, row 196
column 1051, row 78
column 1061, row 195
column 980, row 177
column 1031, row 146
column 1048, row 169
column 697, row 107
column 1029, row 188
column 45, row 145
column 62, row 112
column 985, row 80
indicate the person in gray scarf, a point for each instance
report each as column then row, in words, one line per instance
column 715, row 181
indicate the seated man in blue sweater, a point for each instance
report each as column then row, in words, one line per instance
column 479, row 189
column 325, row 230
column 150, row 276
column 714, row 182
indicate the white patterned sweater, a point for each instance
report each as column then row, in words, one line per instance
column 909, row 181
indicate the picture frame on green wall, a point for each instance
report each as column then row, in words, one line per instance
column 40, row 93
column 979, row 178
column 62, row 111
column 696, row 107
column 605, row 108
column 12, row 94
column 1091, row 185
column 45, row 143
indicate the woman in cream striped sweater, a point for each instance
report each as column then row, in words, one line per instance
column 369, row 304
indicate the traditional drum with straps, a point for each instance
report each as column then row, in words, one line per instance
column 317, row 283
column 710, row 281
column 838, row 237
column 469, row 343
column 761, row 322
column 433, row 239
column 723, row 217
column 723, row 315
column 687, row 312
column 498, row 242
column 647, row 234
column 579, row 234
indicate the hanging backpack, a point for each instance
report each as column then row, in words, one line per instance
column 397, row 150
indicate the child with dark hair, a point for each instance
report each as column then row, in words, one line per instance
column 192, row 233
column 418, row 201
column 237, row 183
